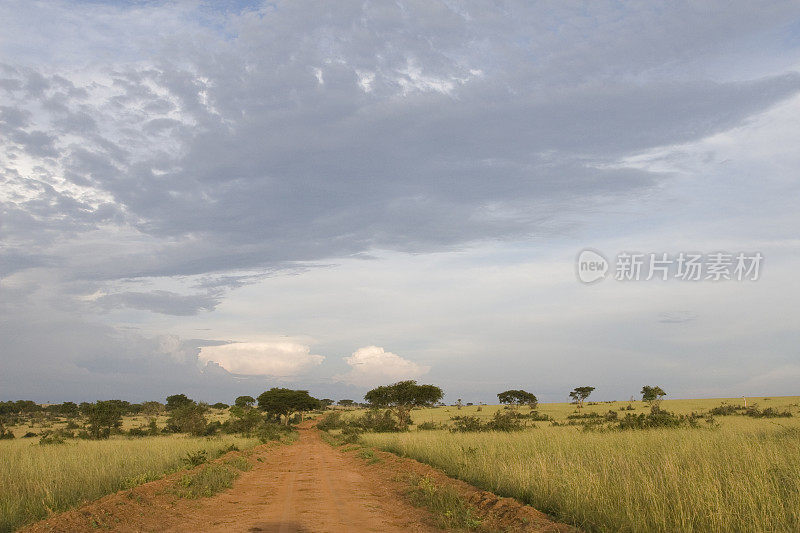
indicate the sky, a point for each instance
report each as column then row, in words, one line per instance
column 215, row 198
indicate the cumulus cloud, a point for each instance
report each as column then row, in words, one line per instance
column 372, row 365
column 279, row 359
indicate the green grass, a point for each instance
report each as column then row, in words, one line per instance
column 451, row 511
column 742, row 476
column 206, row 481
column 38, row 480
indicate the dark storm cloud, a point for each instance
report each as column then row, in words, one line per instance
column 175, row 140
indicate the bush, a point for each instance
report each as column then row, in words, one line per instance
column 51, row 438
column 193, row 459
column 269, row 431
column 505, row 422
column 332, row 420
column 188, row 418
column 428, row 426
column 385, row 421
column 538, row 417
column 769, row 412
column 466, row 424
column 657, row 418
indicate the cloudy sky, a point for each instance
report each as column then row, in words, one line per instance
column 218, row 197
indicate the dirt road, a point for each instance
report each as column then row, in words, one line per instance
column 308, row 486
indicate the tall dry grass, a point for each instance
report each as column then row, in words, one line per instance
column 720, row 480
column 37, row 480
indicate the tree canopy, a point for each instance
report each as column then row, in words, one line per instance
column 178, row 400
column 404, row 394
column 244, row 401
column 283, row 402
column 518, row 397
column 652, row 395
column 579, row 394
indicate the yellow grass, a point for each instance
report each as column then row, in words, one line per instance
column 741, row 476
column 36, row 480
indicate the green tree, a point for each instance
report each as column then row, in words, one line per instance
column 346, row 403
column 244, row 401
column 579, row 394
column 280, row 402
column 188, row 418
column 653, row 395
column 518, row 397
column 103, row 417
column 403, row 396
column 178, row 400
column 243, row 419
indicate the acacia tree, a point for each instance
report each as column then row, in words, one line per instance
column 403, row 396
column 244, row 401
column 104, row 417
column 278, row 402
column 346, row 403
column 518, row 397
column 579, row 394
column 653, row 395
column 178, row 400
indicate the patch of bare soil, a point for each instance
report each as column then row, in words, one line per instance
column 307, row 486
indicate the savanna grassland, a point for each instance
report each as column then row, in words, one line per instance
column 55, row 457
column 38, row 480
column 721, row 473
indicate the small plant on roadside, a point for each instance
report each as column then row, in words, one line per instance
column 193, row 459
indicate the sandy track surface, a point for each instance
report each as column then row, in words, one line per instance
column 308, row 486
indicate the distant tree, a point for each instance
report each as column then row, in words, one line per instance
column 188, row 418
column 103, row 417
column 518, row 397
column 244, row 401
column 178, row 400
column 653, row 395
column 326, row 402
column 243, row 419
column 151, row 409
column 403, row 396
column 579, row 394
column 279, row 402
column 220, row 405
column 67, row 409
column 346, row 403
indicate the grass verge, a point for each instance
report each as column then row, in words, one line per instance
column 37, row 481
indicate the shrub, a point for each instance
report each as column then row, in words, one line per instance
column 269, row 431
column 193, row 459
column 657, row 418
column 379, row 421
column 51, row 438
column 428, row 426
column 769, row 412
column 332, row 420
column 466, row 424
column 505, row 422
column 188, row 418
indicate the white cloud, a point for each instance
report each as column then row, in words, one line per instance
column 284, row 358
column 372, row 365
